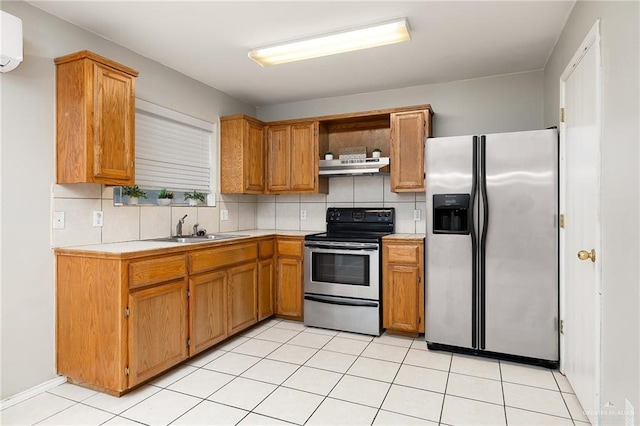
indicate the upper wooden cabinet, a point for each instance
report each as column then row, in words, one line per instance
column 241, row 155
column 408, row 133
column 95, row 119
column 292, row 159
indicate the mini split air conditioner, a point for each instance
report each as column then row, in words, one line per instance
column 10, row 41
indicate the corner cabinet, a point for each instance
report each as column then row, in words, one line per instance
column 292, row 159
column 95, row 120
column 242, row 164
column 266, row 278
column 403, row 285
column 409, row 131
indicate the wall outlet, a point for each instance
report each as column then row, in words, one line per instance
column 303, row 214
column 58, row 220
column 98, row 218
column 417, row 214
column 224, row 214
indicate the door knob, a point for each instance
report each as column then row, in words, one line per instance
column 584, row 255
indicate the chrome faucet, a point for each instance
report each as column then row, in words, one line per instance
column 179, row 226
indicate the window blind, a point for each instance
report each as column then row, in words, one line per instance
column 172, row 154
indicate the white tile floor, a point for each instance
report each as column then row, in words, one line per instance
column 281, row 372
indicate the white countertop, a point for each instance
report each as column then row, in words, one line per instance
column 144, row 245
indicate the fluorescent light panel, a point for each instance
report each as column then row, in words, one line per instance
column 363, row 38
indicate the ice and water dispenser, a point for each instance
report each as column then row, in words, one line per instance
column 451, row 213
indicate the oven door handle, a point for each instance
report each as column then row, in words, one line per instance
column 328, row 247
column 341, row 302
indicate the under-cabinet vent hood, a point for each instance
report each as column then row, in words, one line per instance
column 353, row 166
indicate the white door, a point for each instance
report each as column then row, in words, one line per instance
column 580, row 237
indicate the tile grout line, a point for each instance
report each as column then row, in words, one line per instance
column 444, row 396
column 325, row 397
column 504, row 400
column 392, row 381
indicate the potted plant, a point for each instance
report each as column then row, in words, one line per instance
column 376, row 152
column 165, row 197
column 194, row 197
column 328, row 155
column 133, row 192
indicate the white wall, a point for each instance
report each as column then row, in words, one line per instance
column 620, row 213
column 27, row 174
column 497, row 104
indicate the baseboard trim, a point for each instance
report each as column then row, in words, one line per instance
column 29, row 393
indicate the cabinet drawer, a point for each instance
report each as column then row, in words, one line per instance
column 266, row 249
column 403, row 253
column 206, row 260
column 156, row 270
column 290, row 248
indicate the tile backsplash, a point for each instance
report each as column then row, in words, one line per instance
column 283, row 212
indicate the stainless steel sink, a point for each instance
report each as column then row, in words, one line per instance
column 222, row 236
column 197, row 239
column 184, row 239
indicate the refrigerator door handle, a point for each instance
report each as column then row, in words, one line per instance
column 474, row 247
column 483, row 235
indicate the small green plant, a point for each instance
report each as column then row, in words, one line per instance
column 195, row 195
column 328, row 153
column 377, row 150
column 165, row 194
column 133, row 192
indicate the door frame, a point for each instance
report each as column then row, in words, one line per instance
column 591, row 40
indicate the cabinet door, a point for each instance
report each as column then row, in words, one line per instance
column 243, row 293
column 401, row 298
column 254, row 157
column 407, row 151
column 304, row 156
column 113, row 126
column 208, row 313
column 157, row 330
column 289, row 284
column 278, row 160
column 265, row 289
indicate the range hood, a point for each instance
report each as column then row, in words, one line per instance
column 352, row 166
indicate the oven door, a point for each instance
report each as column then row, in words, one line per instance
column 342, row 269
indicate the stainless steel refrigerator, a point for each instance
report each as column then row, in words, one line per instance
column 491, row 258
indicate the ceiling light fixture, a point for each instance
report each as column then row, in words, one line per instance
column 330, row 44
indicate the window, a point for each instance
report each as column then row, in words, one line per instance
column 173, row 150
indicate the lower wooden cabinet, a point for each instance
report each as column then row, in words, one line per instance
column 208, row 312
column 243, row 297
column 289, row 277
column 403, row 285
column 122, row 319
column 157, row 330
column 266, row 279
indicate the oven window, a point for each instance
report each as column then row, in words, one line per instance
column 352, row 269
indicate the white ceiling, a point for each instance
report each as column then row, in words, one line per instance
column 209, row 41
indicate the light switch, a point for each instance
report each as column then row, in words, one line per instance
column 224, row 214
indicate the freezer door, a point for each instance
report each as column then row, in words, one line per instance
column 521, row 245
column 449, row 302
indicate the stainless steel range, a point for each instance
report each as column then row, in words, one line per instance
column 342, row 272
